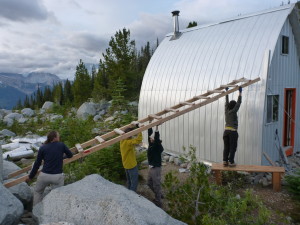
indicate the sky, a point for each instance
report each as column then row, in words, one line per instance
column 53, row 35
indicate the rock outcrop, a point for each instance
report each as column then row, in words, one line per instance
column 11, row 209
column 94, row 200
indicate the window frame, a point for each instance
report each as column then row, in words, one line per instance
column 272, row 113
column 285, row 44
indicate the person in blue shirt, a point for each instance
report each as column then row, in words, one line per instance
column 52, row 153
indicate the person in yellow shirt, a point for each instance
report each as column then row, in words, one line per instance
column 128, row 154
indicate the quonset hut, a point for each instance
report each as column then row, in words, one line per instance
column 189, row 62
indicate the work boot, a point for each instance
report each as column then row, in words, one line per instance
column 225, row 163
column 231, row 164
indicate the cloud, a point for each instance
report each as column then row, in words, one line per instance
column 206, row 11
column 150, row 27
column 24, row 10
column 87, row 41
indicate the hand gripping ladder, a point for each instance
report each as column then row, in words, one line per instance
column 167, row 114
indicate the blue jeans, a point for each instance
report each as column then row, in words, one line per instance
column 132, row 176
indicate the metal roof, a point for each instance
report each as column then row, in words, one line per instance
column 203, row 58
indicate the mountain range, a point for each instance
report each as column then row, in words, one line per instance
column 15, row 86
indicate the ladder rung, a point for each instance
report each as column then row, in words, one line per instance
column 137, row 123
column 228, row 85
column 100, row 139
column 154, row 116
column 79, row 147
column 187, row 103
column 172, row 110
column 215, row 91
column 201, row 97
column 118, row 131
column 241, row 80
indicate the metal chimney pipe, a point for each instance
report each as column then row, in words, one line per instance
column 176, row 23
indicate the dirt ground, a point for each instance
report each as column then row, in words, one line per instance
column 281, row 204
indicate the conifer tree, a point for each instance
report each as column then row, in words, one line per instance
column 118, row 100
column 82, row 84
column 68, row 95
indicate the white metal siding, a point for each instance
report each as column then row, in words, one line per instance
column 284, row 73
column 203, row 59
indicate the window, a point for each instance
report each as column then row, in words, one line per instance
column 285, row 45
column 272, row 108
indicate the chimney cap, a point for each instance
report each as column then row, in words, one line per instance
column 176, row 13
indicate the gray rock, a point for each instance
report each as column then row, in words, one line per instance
column 55, row 117
column 58, row 223
column 97, row 117
column 47, row 105
column 111, row 118
column 27, row 112
column 265, row 182
column 183, row 165
column 13, row 116
column 11, row 209
column 269, row 177
column 9, row 167
column 135, row 104
column 171, row 159
column 85, row 110
column 166, row 157
column 145, row 163
column 102, row 112
column 103, row 105
column 7, row 133
column 95, row 130
column 23, row 192
column 9, row 122
column 22, row 120
column 113, row 205
column 177, row 161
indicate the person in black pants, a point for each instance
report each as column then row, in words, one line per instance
column 231, row 135
column 154, row 158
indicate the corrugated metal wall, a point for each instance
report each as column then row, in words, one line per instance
column 203, row 59
column 284, row 73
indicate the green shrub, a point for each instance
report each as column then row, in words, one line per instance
column 73, row 130
column 293, row 182
column 107, row 162
column 196, row 201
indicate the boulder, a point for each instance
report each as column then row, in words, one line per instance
column 7, row 133
column 135, row 104
column 83, row 203
column 85, row 110
column 9, row 167
column 111, row 118
column 55, row 117
column 9, row 122
column 47, row 105
column 13, row 116
column 22, row 191
column 27, row 112
column 11, row 209
column 97, row 117
column 22, row 120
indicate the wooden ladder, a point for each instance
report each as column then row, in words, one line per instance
column 119, row 134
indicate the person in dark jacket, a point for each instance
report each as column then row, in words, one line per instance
column 154, row 158
column 230, row 135
column 52, row 153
